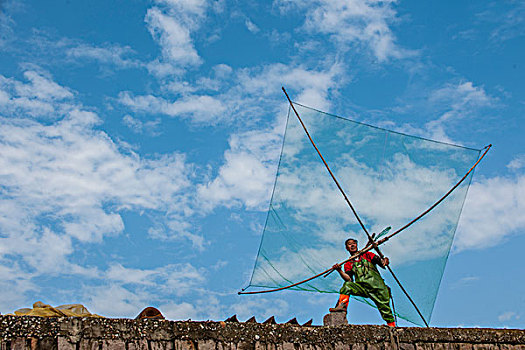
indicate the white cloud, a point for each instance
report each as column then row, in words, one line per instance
column 222, row 70
column 150, row 127
column 507, row 316
column 172, row 28
column 186, row 7
column 252, row 92
column 15, row 283
column 493, row 212
column 181, row 311
column 177, row 226
column 248, row 173
column 126, row 291
column 276, row 37
column 464, row 281
column 73, row 172
column 110, row 54
column 453, row 103
column 176, row 279
column 352, row 22
column 252, row 27
column 42, row 88
column 509, row 24
column 6, row 22
column 313, row 85
column 200, row 109
column 39, row 97
column 162, row 69
column 113, row 300
column 461, row 96
column 461, row 100
column 517, row 163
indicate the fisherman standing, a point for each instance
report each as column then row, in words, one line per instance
column 362, row 279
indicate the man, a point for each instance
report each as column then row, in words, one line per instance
column 368, row 282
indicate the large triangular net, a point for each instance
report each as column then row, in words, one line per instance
column 390, row 178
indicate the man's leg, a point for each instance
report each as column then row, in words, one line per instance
column 342, row 303
column 349, row 288
column 381, row 297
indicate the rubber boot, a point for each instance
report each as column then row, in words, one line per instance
column 391, row 324
column 342, row 303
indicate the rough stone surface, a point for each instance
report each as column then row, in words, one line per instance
column 113, row 344
column 161, row 345
column 141, row 344
column 19, row 344
column 406, row 346
column 63, row 344
column 38, row 333
column 335, row 318
column 184, row 345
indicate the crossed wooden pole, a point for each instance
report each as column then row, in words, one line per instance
column 372, row 244
column 370, row 238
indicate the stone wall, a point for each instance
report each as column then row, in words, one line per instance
column 99, row 334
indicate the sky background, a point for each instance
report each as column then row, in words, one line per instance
column 139, row 144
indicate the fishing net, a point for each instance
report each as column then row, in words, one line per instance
column 390, row 179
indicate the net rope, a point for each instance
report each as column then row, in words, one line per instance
column 391, row 177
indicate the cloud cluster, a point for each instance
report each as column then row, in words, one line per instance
column 126, row 289
column 174, row 37
column 246, row 177
column 362, row 23
column 150, row 127
column 517, row 163
column 508, row 25
column 246, row 93
column 247, row 174
column 78, row 182
column 73, row 172
column 490, row 215
column 508, row 315
column 109, row 54
column 172, row 23
column 199, row 109
column 448, row 107
column 460, row 101
column 6, row 22
column 492, row 212
column 39, row 97
column 65, row 183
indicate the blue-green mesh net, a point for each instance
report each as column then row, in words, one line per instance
column 390, row 179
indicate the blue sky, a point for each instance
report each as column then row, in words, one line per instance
column 139, row 143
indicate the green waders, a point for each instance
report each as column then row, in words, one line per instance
column 369, row 284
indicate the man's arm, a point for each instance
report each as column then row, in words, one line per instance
column 343, row 274
column 381, row 262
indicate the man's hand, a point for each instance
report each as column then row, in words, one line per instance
column 344, row 275
column 385, row 262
